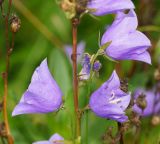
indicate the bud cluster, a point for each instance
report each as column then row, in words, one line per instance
column 15, row 23
column 74, row 8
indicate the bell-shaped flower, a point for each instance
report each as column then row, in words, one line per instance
column 109, row 101
column 152, row 102
column 86, row 67
column 127, row 43
column 55, row 139
column 43, row 94
column 80, row 51
column 103, row 7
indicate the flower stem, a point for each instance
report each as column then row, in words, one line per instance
column 121, row 133
column 75, row 22
column 5, row 77
column 87, row 111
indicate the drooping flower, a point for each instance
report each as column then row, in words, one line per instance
column 55, row 139
column 127, row 43
column 80, row 51
column 43, row 94
column 103, row 7
column 153, row 102
column 86, row 67
column 109, row 101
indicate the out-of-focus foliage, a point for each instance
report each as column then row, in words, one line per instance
column 32, row 46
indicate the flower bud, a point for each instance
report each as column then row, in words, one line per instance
column 15, row 24
column 155, row 120
column 97, row 66
column 141, row 101
column 124, row 85
column 69, row 8
column 81, row 7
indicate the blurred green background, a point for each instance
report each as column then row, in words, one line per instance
column 44, row 30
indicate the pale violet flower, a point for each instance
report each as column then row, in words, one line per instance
column 86, row 67
column 55, row 139
column 109, row 101
column 152, row 105
column 127, row 43
column 43, row 94
column 80, row 51
column 103, row 7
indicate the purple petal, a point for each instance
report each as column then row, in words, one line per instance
column 126, row 42
column 119, row 118
column 112, row 83
column 103, row 7
column 150, row 102
column 53, row 140
column 42, row 142
column 86, row 67
column 80, row 51
column 56, row 137
column 43, row 94
column 96, row 66
column 123, row 24
column 109, row 101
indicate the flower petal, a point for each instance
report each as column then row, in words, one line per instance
column 150, row 102
column 103, row 7
column 43, row 94
column 80, row 51
column 56, row 137
column 122, row 25
column 42, row 142
column 112, row 83
column 109, row 101
column 126, row 42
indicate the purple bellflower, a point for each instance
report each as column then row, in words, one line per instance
column 109, row 101
column 80, row 51
column 86, row 67
column 127, row 43
column 55, row 139
column 153, row 103
column 43, row 94
column 103, row 7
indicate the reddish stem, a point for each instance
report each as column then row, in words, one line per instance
column 75, row 22
column 5, row 76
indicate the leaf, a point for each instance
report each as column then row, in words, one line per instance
column 106, row 45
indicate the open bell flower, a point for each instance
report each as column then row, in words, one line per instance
column 109, row 101
column 152, row 102
column 55, row 139
column 80, row 51
column 127, row 43
column 43, row 94
column 103, row 7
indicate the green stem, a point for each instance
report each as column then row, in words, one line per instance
column 87, row 112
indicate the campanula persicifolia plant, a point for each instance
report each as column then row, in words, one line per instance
column 112, row 100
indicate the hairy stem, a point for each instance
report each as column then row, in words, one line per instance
column 75, row 22
column 5, row 76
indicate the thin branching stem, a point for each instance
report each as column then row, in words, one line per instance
column 5, row 76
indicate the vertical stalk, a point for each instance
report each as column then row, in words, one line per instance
column 75, row 22
column 5, row 77
column 121, row 134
